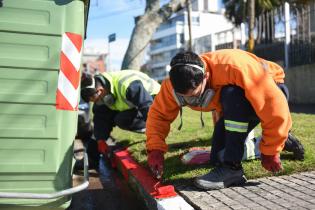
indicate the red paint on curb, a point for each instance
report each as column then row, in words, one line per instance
column 123, row 158
column 150, row 184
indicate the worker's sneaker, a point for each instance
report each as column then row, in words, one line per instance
column 220, row 177
column 292, row 144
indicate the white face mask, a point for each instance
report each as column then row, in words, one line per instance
column 203, row 100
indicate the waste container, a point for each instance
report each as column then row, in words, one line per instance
column 40, row 57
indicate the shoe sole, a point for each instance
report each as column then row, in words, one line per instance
column 226, row 184
column 296, row 147
column 235, row 181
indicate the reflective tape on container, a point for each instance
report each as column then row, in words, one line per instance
column 69, row 75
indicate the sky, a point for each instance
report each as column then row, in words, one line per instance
column 112, row 16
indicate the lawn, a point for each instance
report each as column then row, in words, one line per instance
column 193, row 135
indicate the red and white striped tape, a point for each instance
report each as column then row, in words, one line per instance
column 69, row 75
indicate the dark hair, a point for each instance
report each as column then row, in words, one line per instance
column 86, row 93
column 184, row 78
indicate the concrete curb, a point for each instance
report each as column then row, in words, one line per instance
column 156, row 196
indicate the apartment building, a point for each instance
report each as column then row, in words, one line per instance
column 172, row 36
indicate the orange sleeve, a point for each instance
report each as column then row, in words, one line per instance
column 162, row 113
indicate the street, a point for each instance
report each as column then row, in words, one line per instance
column 107, row 190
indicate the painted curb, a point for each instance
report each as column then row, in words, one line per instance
column 156, row 196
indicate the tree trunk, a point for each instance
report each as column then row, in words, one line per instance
column 188, row 6
column 144, row 29
column 259, row 29
column 251, row 24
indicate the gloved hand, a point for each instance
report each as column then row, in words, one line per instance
column 102, row 147
column 271, row 162
column 156, row 162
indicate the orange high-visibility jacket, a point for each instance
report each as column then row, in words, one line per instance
column 255, row 75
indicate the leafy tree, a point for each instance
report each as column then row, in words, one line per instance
column 239, row 11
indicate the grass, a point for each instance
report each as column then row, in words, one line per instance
column 192, row 135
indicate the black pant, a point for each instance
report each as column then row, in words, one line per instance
column 105, row 119
column 235, row 107
column 130, row 120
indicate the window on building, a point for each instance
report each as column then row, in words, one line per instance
column 195, row 20
column 163, row 42
column 157, row 58
column 171, row 22
column 181, row 38
column 206, row 5
column 194, row 6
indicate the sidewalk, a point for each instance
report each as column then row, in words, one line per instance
column 284, row 192
column 296, row 191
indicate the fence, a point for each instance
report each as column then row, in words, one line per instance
column 285, row 35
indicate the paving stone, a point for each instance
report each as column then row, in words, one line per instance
column 297, row 208
column 310, row 206
column 239, row 198
column 217, row 205
column 250, row 203
column 284, row 192
column 239, row 207
column 260, row 208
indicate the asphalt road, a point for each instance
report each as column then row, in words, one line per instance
column 107, row 191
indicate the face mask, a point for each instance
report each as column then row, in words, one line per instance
column 202, row 101
column 108, row 100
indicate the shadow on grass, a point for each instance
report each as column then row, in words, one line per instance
column 190, row 144
column 128, row 142
column 288, row 156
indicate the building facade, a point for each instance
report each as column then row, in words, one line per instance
column 172, row 36
column 93, row 60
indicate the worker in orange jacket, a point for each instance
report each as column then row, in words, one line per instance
column 243, row 90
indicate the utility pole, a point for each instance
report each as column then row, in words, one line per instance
column 188, row 6
column 111, row 38
column 287, row 34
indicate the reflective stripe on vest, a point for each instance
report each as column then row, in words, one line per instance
column 240, row 127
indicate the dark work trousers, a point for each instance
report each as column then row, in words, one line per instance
column 105, row 119
column 237, row 108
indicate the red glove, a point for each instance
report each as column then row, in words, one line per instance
column 102, row 147
column 156, row 162
column 271, row 162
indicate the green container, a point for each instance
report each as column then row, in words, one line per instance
column 36, row 139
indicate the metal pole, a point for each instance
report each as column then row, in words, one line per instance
column 108, row 57
column 213, row 41
column 188, row 5
column 234, row 38
column 287, row 34
column 243, row 36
